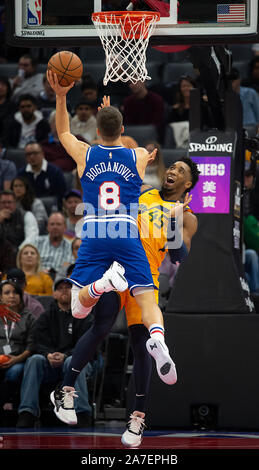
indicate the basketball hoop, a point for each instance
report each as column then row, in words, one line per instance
column 125, row 36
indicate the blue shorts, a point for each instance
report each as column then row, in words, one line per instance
column 95, row 256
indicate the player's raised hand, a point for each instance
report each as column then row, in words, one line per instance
column 8, row 314
column 53, row 81
column 179, row 206
column 105, row 103
column 152, row 156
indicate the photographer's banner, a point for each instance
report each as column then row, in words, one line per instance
column 213, row 273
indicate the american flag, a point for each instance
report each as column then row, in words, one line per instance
column 231, row 13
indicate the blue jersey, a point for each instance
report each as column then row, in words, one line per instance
column 111, row 189
column 111, row 183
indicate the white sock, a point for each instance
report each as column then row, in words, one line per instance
column 96, row 289
column 157, row 331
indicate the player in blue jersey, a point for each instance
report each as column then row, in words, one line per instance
column 111, row 177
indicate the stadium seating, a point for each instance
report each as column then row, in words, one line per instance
column 171, row 155
column 142, row 134
column 174, row 71
column 241, row 52
column 17, row 156
column 50, row 203
column 9, row 69
column 242, row 67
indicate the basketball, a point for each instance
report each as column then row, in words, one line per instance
column 4, row 358
column 68, row 67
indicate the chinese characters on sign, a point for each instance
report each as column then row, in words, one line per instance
column 211, row 194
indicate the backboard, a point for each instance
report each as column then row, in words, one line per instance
column 65, row 23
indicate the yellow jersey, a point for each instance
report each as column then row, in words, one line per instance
column 153, row 217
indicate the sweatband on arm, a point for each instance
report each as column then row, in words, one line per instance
column 177, row 255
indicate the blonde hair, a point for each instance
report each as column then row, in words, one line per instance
column 19, row 254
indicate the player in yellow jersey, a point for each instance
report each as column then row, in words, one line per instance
column 157, row 224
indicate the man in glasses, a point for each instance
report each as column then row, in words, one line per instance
column 45, row 178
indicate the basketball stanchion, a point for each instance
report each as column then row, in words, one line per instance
column 125, row 37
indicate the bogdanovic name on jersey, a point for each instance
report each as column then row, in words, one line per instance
column 196, row 147
column 104, row 167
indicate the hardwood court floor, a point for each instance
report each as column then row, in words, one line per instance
column 102, row 437
column 100, row 447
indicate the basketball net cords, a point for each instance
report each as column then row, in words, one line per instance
column 125, row 58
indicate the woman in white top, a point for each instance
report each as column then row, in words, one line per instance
column 24, row 195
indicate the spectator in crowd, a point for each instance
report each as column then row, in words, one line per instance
column 129, row 142
column 255, row 49
column 27, row 79
column 54, row 151
column 46, row 100
column 7, row 173
column 71, row 200
column 26, row 125
column 84, row 121
column 2, row 149
column 251, row 267
column 54, row 248
column 68, row 268
column 25, row 198
column 76, row 181
column 143, row 107
column 90, row 92
column 180, row 109
column 7, row 109
column 37, row 281
column 45, row 178
column 75, row 245
column 117, row 90
column 56, row 333
column 251, row 222
column 251, row 234
column 155, row 171
column 16, row 341
column 17, row 224
column 252, row 81
column 31, row 303
column 249, row 99
column 7, row 253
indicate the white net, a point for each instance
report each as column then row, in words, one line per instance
column 125, row 39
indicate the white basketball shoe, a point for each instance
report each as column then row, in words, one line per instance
column 164, row 364
column 132, row 437
column 63, row 401
column 113, row 278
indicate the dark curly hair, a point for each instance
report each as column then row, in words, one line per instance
column 194, row 170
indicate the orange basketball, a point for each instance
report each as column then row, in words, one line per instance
column 68, row 67
column 4, row 358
